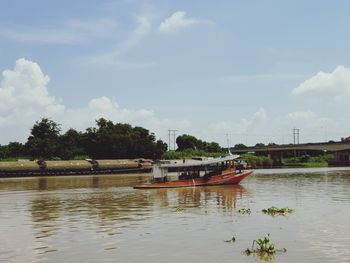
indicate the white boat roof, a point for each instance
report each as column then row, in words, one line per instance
column 194, row 163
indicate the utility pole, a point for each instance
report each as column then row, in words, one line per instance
column 228, row 143
column 298, row 130
column 296, row 133
column 172, row 133
column 295, row 138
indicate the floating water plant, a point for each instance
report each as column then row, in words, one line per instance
column 233, row 239
column 179, row 208
column 244, row 211
column 263, row 247
column 275, row 211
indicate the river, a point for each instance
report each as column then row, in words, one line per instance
column 103, row 219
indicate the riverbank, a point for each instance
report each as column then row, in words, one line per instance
column 297, row 170
column 304, row 161
column 25, row 168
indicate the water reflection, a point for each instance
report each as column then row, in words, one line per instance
column 223, row 197
column 125, row 204
column 63, row 182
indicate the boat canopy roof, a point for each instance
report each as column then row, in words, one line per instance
column 195, row 163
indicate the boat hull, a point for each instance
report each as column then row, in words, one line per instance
column 225, row 178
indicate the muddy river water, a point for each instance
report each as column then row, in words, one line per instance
column 103, row 219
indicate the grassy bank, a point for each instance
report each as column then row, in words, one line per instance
column 306, row 165
column 257, row 161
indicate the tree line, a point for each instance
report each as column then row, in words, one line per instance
column 107, row 140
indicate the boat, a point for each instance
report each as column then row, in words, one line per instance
column 198, row 172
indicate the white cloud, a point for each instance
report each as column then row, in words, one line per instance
column 310, row 120
column 24, row 99
column 71, row 32
column 25, row 87
column 142, row 30
column 217, row 131
column 179, row 21
column 114, row 57
column 303, row 116
column 313, row 127
column 326, row 87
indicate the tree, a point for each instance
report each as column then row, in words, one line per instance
column 15, row 149
column 240, row 146
column 70, row 145
column 107, row 140
column 260, row 145
column 4, row 152
column 213, row 147
column 43, row 141
column 186, row 141
column 121, row 140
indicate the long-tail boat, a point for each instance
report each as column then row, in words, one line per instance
column 189, row 173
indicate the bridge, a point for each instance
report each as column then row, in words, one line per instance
column 341, row 150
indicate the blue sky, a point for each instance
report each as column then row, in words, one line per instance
column 252, row 69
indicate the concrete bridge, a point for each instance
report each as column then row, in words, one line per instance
column 341, row 150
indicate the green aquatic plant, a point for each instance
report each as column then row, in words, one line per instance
column 275, row 211
column 233, row 239
column 265, row 248
column 180, row 208
column 244, row 211
column 265, row 245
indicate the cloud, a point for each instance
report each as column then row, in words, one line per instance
column 24, row 87
column 314, row 127
column 25, row 98
column 216, row 131
column 304, row 116
column 68, row 33
column 114, row 56
column 179, row 21
column 326, row 87
column 310, row 120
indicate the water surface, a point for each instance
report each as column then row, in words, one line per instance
column 103, row 219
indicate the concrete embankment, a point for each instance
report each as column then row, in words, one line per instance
column 73, row 167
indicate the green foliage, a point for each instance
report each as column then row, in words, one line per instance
column 265, row 248
column 260, row 145
column 275, row 211
column 240, row 146
column 188, row 154
column 255, row 161
column 186, row 141
column 106, row 141
column 70, row 145
column 306, row 160
column 44, row 139
column 265, row 245
column 80, row 157
column 179, row 208
column 111, row 141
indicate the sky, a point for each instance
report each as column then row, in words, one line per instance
column 249, row 71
